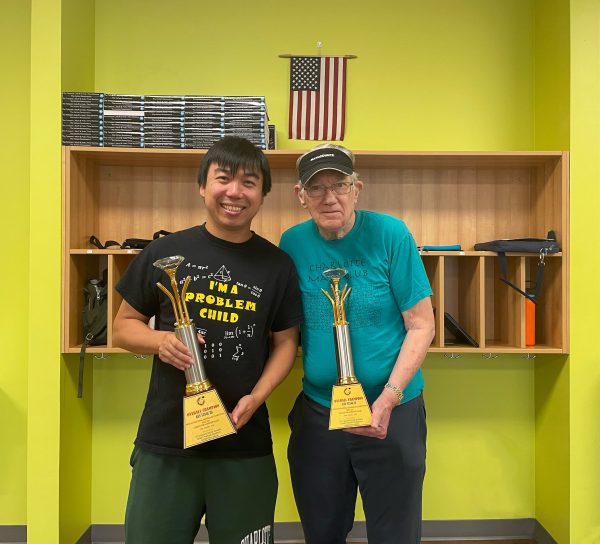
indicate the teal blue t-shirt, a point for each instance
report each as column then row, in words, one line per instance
column 387, row 277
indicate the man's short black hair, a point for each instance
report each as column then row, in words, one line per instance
column 233, row 153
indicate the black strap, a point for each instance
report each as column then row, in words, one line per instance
column 94, row 241
column 127, row 243
column 86, row 342
column 109, row 243
column 534, row 293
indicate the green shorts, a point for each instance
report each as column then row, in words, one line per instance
column 169, row 495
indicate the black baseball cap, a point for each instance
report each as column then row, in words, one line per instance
column 325, row 158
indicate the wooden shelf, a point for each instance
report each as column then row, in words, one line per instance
column 538, row 349
column 469, row 253
column 97, row 251
column 97, row 349
column 473, row 253
column 534, row 350
column 444, row 198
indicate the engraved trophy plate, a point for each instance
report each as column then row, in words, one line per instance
column 205, row 417
column 349, row 405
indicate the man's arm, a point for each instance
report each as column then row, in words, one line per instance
column 131, row 332
column 420, row 330
column 284, row 345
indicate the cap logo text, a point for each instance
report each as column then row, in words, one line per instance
column 322, row 155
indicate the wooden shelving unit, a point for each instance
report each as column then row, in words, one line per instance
column 445, row 198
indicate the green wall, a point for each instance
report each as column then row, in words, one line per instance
column 551, row 131
column 75, row 477
column 14, row 226
column 551, row 64
column 44, row 387
column 585, row 291
column 429, row 74
column 426, row 77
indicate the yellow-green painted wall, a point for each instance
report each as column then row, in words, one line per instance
column 480, row 443
column 552, row 452
column 44, row 369
column 428, row 76
column 551, row 131
column 551, row 74
column 75, row 501
column 78, row 44
column 14, row 225
column 585, row 291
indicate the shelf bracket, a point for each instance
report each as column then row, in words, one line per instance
column 452, row 355
column 528, row 356
column 490, row 355
column 101, row 356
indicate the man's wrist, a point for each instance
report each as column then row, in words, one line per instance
column 397, row 391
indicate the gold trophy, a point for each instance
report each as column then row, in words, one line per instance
column 349, row 406
column 205, row 417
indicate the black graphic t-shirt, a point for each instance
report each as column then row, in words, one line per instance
column 237, row 294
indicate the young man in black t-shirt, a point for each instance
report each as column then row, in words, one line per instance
column 244, row 300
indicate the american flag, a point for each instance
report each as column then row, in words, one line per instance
column 317, row 98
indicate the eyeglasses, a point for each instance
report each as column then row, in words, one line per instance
column 339, row 188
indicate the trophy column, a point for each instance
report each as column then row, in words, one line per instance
column 349, row 405
column 205, row 417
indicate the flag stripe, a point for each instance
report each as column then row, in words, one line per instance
column 313, row 102
column 305, row 132
column 295, row 116
column 334, row 96
column 322, row 114
column 300, row 114
column 343, row 99
column 299, row 118
column 327, row 130
column 340, row 93
column 292, row 109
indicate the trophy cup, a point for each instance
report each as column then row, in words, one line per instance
column 205, row 417
column 349, row 406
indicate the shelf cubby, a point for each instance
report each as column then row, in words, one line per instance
column 434, row 266
column 504, row 307
column 80, row 269
column 463, row 278
column 549, row 312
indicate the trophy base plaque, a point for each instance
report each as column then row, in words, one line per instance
column 205, row 418
column 349, row 407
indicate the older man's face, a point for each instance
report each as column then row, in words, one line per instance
column 333, row 213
